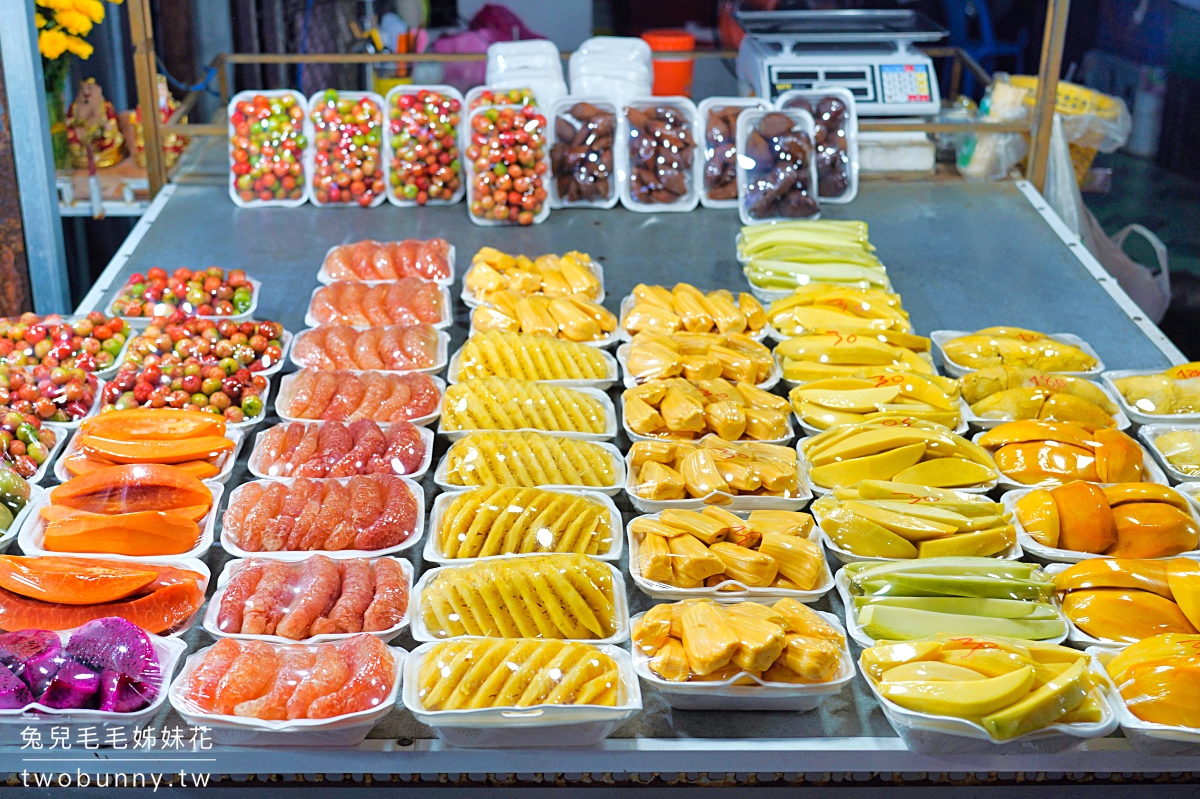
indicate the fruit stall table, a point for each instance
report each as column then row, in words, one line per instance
column 963, row 255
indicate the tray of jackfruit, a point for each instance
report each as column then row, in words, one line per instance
column 1154, row 692
column 1176, row 447
column 1036, row 453
column 524, row 356
column 1149, row 396
column 997, row 394
column 880, row 520
column 1058, row 353
column 916, row 452
column 911, row 600
column 526, row 693
column 566, row 597
column 783, row 256
column 570, row 318
column 531, row 460
column 573, row 274
column 678, row 409
column 879, row 395
column 737, row 475
column 509, row 404
column 704, row 654
column 715, row 553
column 490, row 521
column 736, row 357
column 988, row 695
column 1116, row 602
column 683, row 308
column 1079, row 521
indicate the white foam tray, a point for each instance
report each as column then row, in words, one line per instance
column 446, row 321
column 1151, row 472
column 627, row 305
column 255, row 462
column 610, row 422
column 287, row 388
column 440, row 476
column 1148, row 434
column 612, row 374
column 732, row 502
column 821, row 491
column 441, row 359
column 940, row 337
column 1158, row 740
column 324, row 278
column 629, row 381
column 139, row 322
column 472, row 301
column 227, row 461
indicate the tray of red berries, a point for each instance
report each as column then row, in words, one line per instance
column 507, row 164
column 422, row 145
column 267, row 142
column 212, row 292
column 94, row 343
column 260, row 346
column 346, row 159
column 29, row 445
column 63, row 395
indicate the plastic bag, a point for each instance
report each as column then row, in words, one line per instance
column 1181, row 448
column 527, row 459
column 535, row 64
column 615, row 67
column 565, row 597
column 990, row 156
column 506, row 520
column 317, row 596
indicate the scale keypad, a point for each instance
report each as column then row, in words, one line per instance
column 904, row 83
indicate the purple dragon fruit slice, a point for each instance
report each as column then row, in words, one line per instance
column 130, row 674
column 14, row 694
column 32, row 655
column 72, row 687
column 122, row 694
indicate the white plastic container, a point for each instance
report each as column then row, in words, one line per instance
column 345, row 730
column 256, row 468
column 287, row 388
column 433, row 546
column 1149, row 435
column 97, row 401
column 43, row 719
column 820, row 491
column 961, row 429
column 472, row 301
column 628, row 302
column 618, row 67
column 610, row 422
column 730, row 588
column 802, row 121
column 324, row 278
column 37, row 498
column 1077, row 637
column 941, row 337
column 945, row 735
column 422, row 633
column 724, row 695
column 731, row 502
column 32, row 536
column 232, row 567
column 1053, row 554
column 561, row 108
column 787, row 439
column 139, row 322
column 447, row 311
column 442, row 358
column 980, row 423
column 383, row 166
column 1191, row 490
column 469, row 166
column 236, row 551
column 535, row 63
column 687, row 201
column 225, row 463
column 285, row 345
column 1132, row 411
column 305, row 162
column 1152, row 474
column 1156, row 740
column 708, row 150
column 607, row 339
column 611, row 376
column 441, row 477
column 533, row 727
column 389, row 150
column 862, row 639
column 630, row 381
column 814, row 96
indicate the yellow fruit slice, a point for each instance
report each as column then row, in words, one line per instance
column 1039, row 516
column 863, row 537
column 882, row 466
column 1042, row 707
column 856, row 401
column 980, row 544
column 910, row 528
column 946, row 473
column 931, row 670
column 1183, row 578
column 960, row 699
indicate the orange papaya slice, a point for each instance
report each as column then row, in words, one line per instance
column 78, row 463
column 153, row 424
column 162, row 451
column 201, row 470
column 50, row 580
column 144, row 534
column 130, row 488
column 1085, row 520
column 162, row 610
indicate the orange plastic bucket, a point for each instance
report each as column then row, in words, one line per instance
column 671, row 77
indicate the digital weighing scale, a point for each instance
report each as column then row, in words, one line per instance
column 868, row 52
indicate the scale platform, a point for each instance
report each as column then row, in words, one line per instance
column 868, row 52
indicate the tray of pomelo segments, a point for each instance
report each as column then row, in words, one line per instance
column 345, row 729
column 904, row 618
column 275, row 470
column 16, row 722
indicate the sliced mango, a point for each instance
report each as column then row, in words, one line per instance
column 960, row 699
